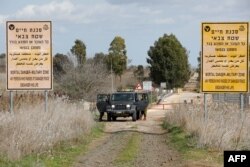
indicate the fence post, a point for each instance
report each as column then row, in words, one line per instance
column 205, row 106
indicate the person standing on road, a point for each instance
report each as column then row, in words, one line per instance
column 102, row 101
column 144, row 112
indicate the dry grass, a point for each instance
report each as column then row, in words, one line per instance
column 224, row 129
column 32, row 130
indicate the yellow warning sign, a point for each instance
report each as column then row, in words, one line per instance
column 29, row 55
column 224, row 57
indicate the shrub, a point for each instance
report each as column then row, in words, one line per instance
column 223, row 129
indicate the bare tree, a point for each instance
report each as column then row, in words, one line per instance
column 85, row 82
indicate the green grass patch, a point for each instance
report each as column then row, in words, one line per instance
column 62, row 155
column 130, row 151
column 186, row 144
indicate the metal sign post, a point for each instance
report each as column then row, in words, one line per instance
column 46, row 100
column 11, row 102
column 241, row 106
column 112, row 80
column 205, row 107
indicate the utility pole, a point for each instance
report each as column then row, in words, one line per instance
column 112, row 84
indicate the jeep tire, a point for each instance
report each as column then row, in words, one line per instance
column 134, row 116
column 109, row 117
column 138, row 115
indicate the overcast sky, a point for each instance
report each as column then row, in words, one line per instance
column 139, row 22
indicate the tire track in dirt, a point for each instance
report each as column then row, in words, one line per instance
column 154, row 151
column 103, row 152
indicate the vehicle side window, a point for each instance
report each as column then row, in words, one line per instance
column 141, row 97
column 108, row 98
column 137, row 97
column 144, row 96
column 102, row 97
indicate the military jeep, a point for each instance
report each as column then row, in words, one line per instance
column 126, row 104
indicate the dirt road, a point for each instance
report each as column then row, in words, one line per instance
column 153, row 149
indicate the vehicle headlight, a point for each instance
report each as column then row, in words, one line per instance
column 128, row 105
column 112, row 106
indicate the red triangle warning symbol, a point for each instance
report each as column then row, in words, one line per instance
column 138, row 87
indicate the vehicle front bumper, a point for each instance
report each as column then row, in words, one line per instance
column 121, row 113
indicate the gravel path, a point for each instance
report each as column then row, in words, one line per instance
column 103, row 152
column 153, row 149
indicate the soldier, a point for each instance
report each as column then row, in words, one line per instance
column 144, row 112
column 102, row 101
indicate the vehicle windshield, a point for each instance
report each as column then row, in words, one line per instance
column 122, row 97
